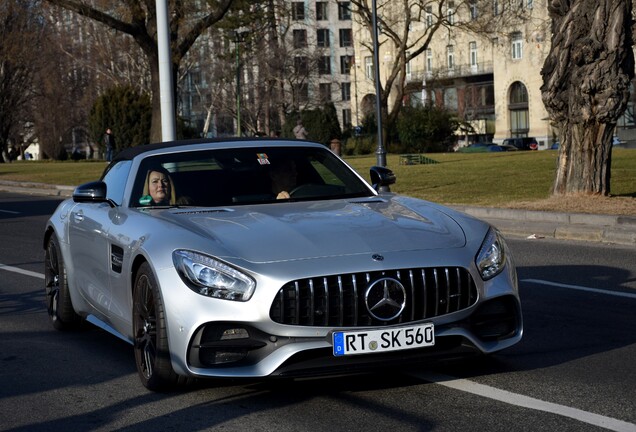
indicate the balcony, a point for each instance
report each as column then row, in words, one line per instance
column 458, row 71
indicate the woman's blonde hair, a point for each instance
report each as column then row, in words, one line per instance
column 162, row 170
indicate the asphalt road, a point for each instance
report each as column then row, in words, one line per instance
column 574, row 369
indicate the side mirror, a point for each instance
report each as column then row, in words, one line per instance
column 93, row 192
column 381, row 177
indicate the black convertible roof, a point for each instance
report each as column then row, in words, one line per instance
column 131, row 152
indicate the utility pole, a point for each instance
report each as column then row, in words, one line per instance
column 166, row 89
column 239, row 37
column 380, row 152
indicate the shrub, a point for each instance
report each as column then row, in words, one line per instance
column 124, row 110
column 321, row 124
column 425, row 129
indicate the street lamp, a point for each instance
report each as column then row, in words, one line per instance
column 380, row 152
column 239, row 36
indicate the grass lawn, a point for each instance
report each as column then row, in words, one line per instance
column 507, row 179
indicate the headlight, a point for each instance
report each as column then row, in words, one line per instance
column 212, row 278
column 491, row 258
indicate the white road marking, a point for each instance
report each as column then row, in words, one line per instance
column 525, row 401
column 19, row 270
column 581, row 288
column 491, row 392
column 9, row 211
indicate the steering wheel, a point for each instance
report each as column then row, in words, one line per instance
column 298, row 190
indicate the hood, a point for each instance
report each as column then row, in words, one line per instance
column 305, row 230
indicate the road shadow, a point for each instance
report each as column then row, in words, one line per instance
column 11, row 209
column 562, row 325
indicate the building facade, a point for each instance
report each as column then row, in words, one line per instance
column 490, row 77
column 301, row 58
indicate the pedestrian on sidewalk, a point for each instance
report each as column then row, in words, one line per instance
column 109, row 142
column 299, row 130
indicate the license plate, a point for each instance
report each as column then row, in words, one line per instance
column 383, row 340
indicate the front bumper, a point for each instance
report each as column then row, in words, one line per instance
column 231, row 349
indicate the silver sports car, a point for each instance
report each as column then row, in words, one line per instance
column 251, row 258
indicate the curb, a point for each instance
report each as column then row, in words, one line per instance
column 613, row 229
column 31, row 188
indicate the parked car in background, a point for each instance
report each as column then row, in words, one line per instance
column 485, row 147
column 475, row 148
column 527, row 143
column 261, row 257
column 501, row 148
column 615, row 141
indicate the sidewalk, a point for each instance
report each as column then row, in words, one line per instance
column 518, row 223
column 564, row 226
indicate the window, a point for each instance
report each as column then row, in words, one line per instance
column 429, row 16
column 322, row 35
column 325, row 92
column 344, row 11
column 408, row 66
column 324, row 65
column 195, row 78
column 450, row 55
column 495, row 7
column 115, row 179
column 300, row 38
column 302, row 92
column 321, row 11
column 450, row 98
column 346, row 118
column 298, row 11
column 472, row 49
column 530, row 4
column 429, row 60
column 450, row 12
column 473, row 9
column 518, row 95
column 517, row 46
column 346, row 91
column 346, row 39
column 518, row 109
column 369, row 71
column 301, row 66
column 345, row 64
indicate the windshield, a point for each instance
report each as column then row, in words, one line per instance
column 226, row 177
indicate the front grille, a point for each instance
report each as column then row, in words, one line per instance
column 339, row 300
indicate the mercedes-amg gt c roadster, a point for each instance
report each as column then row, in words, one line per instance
column 269, row 257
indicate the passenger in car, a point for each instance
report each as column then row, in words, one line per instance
column 284, row 176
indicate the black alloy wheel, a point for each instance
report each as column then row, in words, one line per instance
column 152, row 353
column 58, row 297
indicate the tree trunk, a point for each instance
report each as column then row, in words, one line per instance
column 585, row 157
column 586, row 79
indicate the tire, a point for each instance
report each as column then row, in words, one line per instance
column 152, row 353
column 58, row 297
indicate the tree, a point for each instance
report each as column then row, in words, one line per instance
column 586, row 78
column 138, row 18
column 126, row 112
column 20, row 36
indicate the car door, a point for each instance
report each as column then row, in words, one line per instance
column 88, row 236
column 95, row 251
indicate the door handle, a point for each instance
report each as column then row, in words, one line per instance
column 79, row 216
